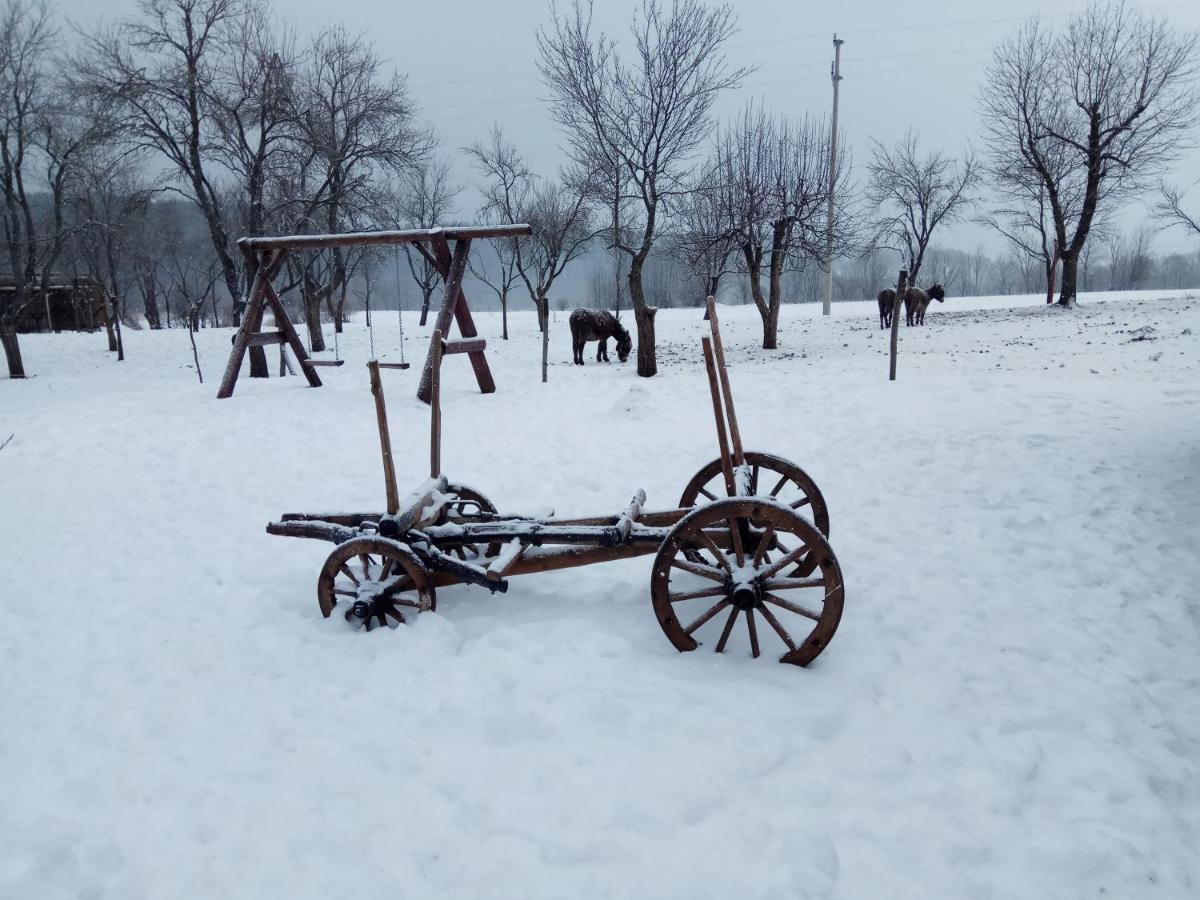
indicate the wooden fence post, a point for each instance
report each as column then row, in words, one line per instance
column 385, row 440
column 901, row 290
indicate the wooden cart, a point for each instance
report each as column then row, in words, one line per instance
column 747, row 540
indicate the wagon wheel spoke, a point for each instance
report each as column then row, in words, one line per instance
column 728, row 628
column 779, row 629
column 366, row 565
column 791, row 607
column 387, row 569
column 783, row 562
column 716, row 551
column 735, row 538
column 792, row 584
column 342, row 592
column 783, row 479
column 698, row 595
column 402, row 583
column 707, row 493
column 754, row 479
column 802, row 502
column 750, row 627
column 764, row 542
column 712, row 611
column 696, row 568
column 345, row 570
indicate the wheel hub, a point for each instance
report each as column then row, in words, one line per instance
column 745, row 596
column 373, row 609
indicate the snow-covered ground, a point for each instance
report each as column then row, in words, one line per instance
column 1010, row 709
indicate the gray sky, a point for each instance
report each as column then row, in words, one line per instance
column 917, row 64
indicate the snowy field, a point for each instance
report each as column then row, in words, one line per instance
column 1010, row 709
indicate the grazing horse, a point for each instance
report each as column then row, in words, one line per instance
column 916, row 301
column 598, row 325
column 887, row 302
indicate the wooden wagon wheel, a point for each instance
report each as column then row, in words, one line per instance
column 776, row 479
column 700, row 587
column 469, row 502
column 376, row 579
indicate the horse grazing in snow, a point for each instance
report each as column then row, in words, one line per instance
column 598, row 325
column 916, row 301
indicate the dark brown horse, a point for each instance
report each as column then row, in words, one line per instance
column 916, row 301
column 887, row 302
column 598, row 325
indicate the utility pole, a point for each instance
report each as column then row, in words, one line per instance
column 835, row 73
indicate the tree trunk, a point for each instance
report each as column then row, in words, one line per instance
column 770, row 320
column 426, row 293
column 12, row 350
column 1070, row 268
column 116, row 317
column 543, row 307
column 150, row 304
column 312, row 318
column 643, row 315
column 504, row 315
column 770, row 314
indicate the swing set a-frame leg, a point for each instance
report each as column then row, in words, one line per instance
column 263, row 294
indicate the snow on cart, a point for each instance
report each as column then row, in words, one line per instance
column 746, row 542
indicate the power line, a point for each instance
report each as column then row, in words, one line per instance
column 857, row 74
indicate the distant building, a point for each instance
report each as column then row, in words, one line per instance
column 68, row 304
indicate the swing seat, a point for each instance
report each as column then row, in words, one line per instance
column 324, row 362
column 402, row 365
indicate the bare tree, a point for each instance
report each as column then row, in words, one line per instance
column 159, row 69
column 1170, row 207
column 644, row 118
column 703, row 238
column 774, row 183
column 1091, row 111
column 357, row 128
column 426, row 199
column 915, row 193
column 1130, row 260
column 557, row 210
column 45, row 130
column 506, row 187
column 252, row 99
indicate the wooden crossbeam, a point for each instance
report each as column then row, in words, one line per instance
column 478, row 345
column 377, row 238
column 263, row 338
column 506, row 559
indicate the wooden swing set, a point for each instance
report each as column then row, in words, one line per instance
column 265, row 257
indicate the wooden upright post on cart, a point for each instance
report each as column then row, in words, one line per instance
column 437, row 345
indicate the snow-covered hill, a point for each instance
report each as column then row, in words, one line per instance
column 1011, row 707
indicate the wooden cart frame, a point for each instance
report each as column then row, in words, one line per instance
column 759, row 553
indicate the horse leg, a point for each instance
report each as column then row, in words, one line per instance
column 602, row 350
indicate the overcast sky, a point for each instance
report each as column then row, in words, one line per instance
column 473, row 62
